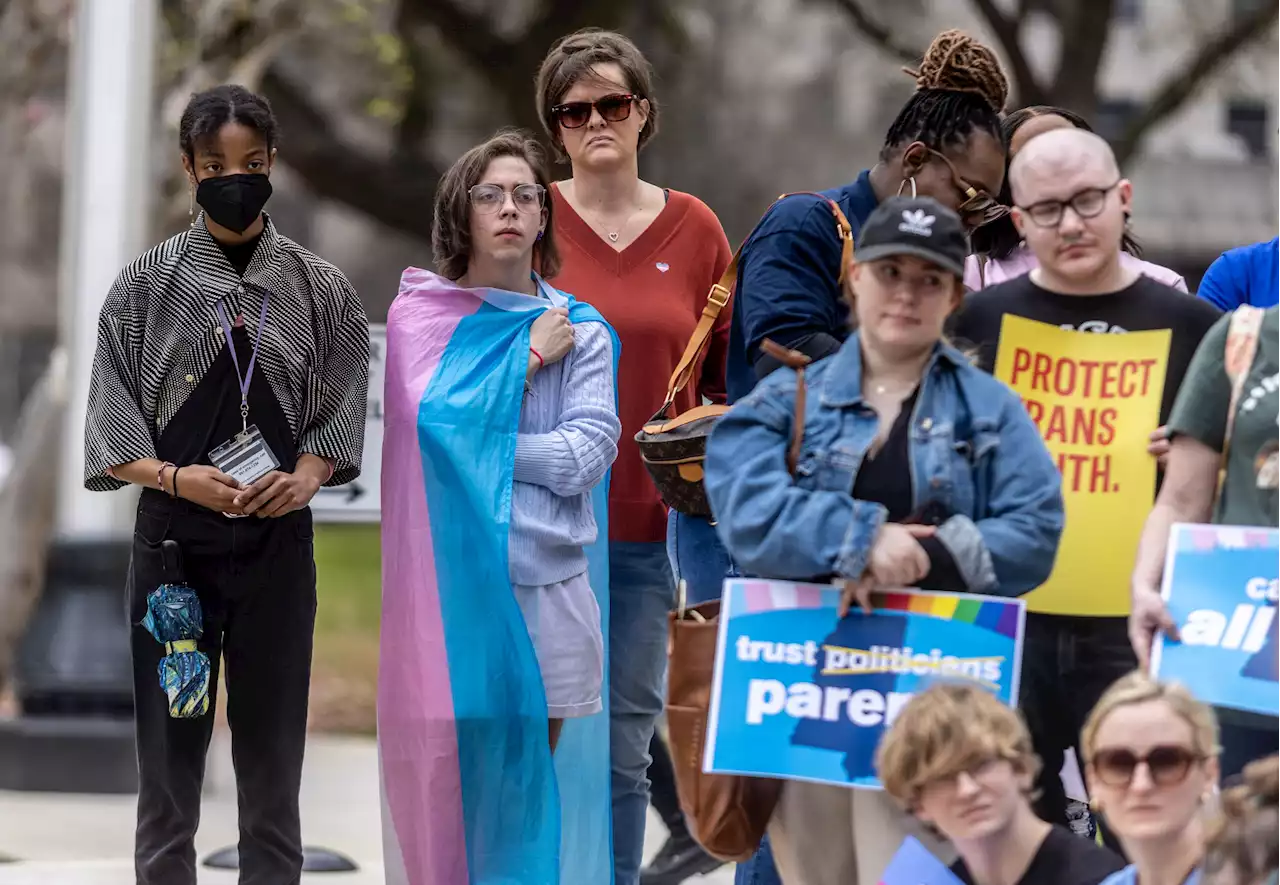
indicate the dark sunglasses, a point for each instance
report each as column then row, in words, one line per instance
column 1166, row 765
column 613, row 109
column 979, row 207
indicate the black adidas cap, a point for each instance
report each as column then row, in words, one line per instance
column 918, row 226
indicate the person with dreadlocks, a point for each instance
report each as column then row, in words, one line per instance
column 1000, row 253
column 945, row 143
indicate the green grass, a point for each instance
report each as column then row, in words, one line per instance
column 348, row 578
column 345, row 667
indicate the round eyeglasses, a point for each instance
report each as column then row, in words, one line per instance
column 1087, row 203
column 490, row 198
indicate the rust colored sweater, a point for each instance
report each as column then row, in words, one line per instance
column 652, row 293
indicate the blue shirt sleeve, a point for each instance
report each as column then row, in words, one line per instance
column 1221, row 284
column 789, row 278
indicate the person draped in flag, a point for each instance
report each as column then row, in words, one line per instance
column 501, row 427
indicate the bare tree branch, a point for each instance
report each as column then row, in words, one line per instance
column 396, row 192
column 1027, row 87
column 1085, row 28
column 470, row 34
column 877, row 33
column 415, row 122
column 1179, row 87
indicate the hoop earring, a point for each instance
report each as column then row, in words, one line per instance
column 905, row 181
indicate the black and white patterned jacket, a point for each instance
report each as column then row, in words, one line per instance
column 159, row 333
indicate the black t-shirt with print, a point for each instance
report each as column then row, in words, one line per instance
column 1063, row 859
column 1142, row 306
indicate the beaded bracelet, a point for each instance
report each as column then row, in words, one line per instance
column 160, row 476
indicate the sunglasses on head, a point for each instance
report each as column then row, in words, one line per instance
column 613, row 109
column 1166, row 765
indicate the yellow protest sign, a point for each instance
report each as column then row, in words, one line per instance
column 1096, row 399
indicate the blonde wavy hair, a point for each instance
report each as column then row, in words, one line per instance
column 1139, row 688
column 948, row 729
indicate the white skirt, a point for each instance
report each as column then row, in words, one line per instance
column 564, row 624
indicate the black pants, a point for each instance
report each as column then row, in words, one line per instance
column 257, row 586
column 1067, row 663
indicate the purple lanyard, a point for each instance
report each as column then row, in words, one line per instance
column 248, row 376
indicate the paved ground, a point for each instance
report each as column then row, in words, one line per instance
column 87, row 840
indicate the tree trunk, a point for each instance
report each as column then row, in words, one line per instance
column 27, row 506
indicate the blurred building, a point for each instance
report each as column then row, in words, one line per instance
column 1205, row 180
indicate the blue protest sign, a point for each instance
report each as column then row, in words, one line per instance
column 914, row 865
column 804, row 695
column 1220, row 585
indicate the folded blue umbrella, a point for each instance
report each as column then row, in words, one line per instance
column 175, row 619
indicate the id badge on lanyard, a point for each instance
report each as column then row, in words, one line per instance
column 245, row 457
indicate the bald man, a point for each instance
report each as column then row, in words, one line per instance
column 1070, row 205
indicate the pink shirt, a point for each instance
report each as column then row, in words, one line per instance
column 1022, row 261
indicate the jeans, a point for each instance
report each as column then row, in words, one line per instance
column 760, row 870
column 1067, row 664
column 698, row 556
column 640, row 596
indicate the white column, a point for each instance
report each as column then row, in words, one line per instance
column 106, row 207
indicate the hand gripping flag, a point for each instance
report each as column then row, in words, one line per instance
column 471, row 792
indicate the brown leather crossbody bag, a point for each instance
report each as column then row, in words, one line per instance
column 727, row 814
column 674, row 448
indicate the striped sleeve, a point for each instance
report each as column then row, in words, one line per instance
column 336, row 432
column 115, row 430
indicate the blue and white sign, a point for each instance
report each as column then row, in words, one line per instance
column 804, row 695
column 1220, row 585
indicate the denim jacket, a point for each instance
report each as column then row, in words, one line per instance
column 973, row 449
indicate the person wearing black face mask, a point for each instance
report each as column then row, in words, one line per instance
column 229, row 382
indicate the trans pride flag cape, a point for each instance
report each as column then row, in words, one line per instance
column 471, row 794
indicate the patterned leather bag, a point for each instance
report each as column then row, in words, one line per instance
column 674, row 448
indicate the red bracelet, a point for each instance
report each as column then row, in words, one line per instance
column 541, row 362
column 160, row 476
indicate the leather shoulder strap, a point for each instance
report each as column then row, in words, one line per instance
column 722, row 290
column 1243, row 331
column 796, row 360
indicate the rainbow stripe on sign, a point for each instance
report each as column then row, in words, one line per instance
column 998, row 617
column 993, row 616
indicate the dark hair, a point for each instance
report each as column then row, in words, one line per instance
column 960, row 89
column 451, row 228
column 209, row 111
column 999, row 239
column 573, row 57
